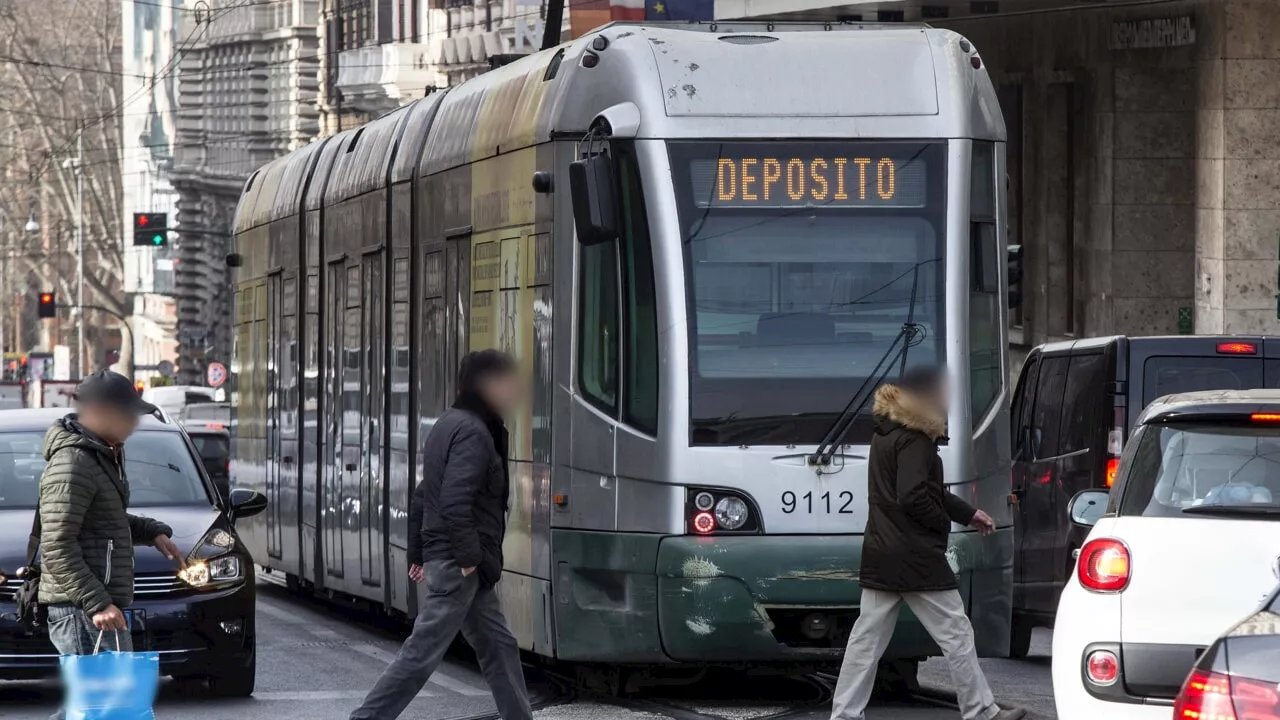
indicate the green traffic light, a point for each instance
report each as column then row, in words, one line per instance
column 157, row 239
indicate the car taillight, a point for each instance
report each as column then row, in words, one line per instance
column 1214, row 696
column 1113, row 464
column 1237, row 348
column 1102, row 667
column 1103, row 565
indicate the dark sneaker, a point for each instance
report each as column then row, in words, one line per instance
column 1010, row 714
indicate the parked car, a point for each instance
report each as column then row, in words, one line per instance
column 200, row 621
column 173, row 398
column 1238, row 677
column 1184, row 544
column 1073, row 408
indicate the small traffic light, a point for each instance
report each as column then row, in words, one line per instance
column 150, row 229
column 1015, row 276
column 140, row 386
column 47, row 306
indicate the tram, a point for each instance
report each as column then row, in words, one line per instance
column 702, row 241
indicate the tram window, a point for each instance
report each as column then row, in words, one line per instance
column 640, row 398
column 598, row 325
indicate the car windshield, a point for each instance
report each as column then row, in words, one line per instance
column 159, row 467
column 1185, row 470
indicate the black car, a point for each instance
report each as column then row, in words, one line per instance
column 1238, row 677
column 1073, row 409
column 213, row 444
column 200, row 621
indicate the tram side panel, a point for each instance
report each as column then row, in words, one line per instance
column 248, row 381
column 399, row 413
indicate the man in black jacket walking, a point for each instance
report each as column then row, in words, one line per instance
column 904, row 551
column 457, row 518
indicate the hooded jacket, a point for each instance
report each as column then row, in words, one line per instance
column 910, row 510
column 86, row 534
column 459, row 510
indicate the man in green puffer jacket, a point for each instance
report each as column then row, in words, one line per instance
column 86, row 533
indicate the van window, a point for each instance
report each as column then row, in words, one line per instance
column 1169, row 375
column 1192, row 469
column 1047, row 414
column 1080, row 412
column 1024, row 402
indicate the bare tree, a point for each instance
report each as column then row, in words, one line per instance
column 60, row 76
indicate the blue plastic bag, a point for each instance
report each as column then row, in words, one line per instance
column 111, row 685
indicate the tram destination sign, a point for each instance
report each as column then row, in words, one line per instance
column 837, row 180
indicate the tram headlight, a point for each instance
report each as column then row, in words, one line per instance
column 704, row 501
column 731, row 513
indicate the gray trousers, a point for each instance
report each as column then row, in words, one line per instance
column 73, row 633
column 449, row 603
column 942, row 614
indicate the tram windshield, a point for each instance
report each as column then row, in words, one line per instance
column 803, row 262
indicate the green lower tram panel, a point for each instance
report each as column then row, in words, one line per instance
column 645, row 599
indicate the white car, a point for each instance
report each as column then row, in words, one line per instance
column 1186, row 543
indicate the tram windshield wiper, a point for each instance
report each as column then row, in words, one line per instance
column 911, row 334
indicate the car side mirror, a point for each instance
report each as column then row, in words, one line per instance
column 595, row 211
column 1087, row 507
column 246, row 503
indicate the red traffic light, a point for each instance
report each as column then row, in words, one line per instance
column 142, row 221
column 140, row 386
column 46, row 298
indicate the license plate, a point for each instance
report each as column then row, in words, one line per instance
column 817, row 503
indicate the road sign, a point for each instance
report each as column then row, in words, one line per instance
column 216, row 374
column 165, row 368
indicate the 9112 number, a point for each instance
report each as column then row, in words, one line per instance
column 805, row 503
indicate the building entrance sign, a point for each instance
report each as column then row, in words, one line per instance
column 1153, row 33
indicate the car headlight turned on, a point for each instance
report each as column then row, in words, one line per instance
column 215, row 572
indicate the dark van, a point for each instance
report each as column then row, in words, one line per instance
column 1072, row 410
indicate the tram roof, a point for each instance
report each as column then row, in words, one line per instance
column 684, row 80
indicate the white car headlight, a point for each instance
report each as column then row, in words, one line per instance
column 215, row 543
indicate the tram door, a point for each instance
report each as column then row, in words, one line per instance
column 371, row 497
column 271, row 399
column 286, row 362
column 457, row 310
column 330, row 422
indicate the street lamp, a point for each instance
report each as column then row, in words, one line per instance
column 32, row 225
column 77, row 164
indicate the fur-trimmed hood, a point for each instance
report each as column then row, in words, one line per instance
column 896, row 407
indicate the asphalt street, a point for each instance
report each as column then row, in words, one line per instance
column 316, row 661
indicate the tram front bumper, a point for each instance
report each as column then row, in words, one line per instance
column 794, row 598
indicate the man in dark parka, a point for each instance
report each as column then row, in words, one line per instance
column 904, row 552
column 457, row 519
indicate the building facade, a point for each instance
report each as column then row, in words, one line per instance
column 148, row 137
column 1143, row 155
column 247, row 90
column 378, row 54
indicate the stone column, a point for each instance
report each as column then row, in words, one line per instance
column 1238, row 169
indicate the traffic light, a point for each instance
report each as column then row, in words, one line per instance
column 150, row 229
column 1015, row 276
column 47, row 305
column 139, row 386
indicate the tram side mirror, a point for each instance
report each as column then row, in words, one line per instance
column 595, row 211
column 1087, row 506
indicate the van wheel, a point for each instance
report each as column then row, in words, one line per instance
column 1020, row 637
column 237, row 680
